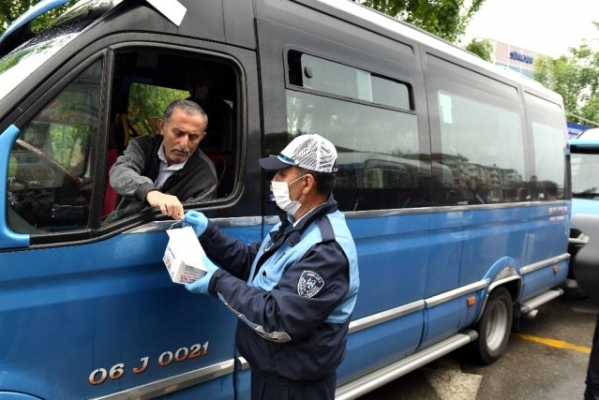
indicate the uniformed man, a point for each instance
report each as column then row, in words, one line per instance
column 295, row 291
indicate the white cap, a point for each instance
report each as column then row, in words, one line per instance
column 311, row 152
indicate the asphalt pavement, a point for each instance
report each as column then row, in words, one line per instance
column 545, row 360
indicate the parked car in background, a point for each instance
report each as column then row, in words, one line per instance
column 584, row 231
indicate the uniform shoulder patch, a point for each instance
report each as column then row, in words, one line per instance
column 309, row 284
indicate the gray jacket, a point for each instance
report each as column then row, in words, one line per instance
column 133, row 174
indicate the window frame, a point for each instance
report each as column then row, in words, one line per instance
column 362, row 190
column 44, row 96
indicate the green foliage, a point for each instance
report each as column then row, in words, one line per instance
column 576, row 77
column 482, row 48
column 12, row 9
column 447, row 19
column 147, row 104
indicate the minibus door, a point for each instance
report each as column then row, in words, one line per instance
column 88, row 309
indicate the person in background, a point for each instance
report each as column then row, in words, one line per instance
column 522, row 194
column 166, row 170
column 294, row 292
column 481, row 194
column 549, row 190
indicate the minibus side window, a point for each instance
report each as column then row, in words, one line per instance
column 146, row 81
column 50, row 172
column 371, row 121
column 549, row 144
column 483, row 145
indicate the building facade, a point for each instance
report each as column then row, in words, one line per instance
column 515, row 58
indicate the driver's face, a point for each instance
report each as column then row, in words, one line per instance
column 182, row 135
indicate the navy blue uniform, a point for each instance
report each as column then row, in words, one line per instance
column 293, row 293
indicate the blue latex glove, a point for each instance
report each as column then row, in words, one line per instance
column 201, row 285
column 196, row 220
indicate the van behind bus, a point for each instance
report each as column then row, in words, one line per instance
column 584, row 234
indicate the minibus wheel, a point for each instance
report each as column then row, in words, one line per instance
column 494, row 327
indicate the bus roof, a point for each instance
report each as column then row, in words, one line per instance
column 394, row 25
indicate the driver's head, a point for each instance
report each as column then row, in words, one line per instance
column 183, row 127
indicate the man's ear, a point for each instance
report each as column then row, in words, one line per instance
column 310, row 181
column 160, row 125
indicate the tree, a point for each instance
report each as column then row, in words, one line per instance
column 10, row 10
column 576, row 78
column 447, row 19
column 481, row 47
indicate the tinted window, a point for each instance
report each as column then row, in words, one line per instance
column 341, row 80
column 482, row 144
column 585, row 165
column 50, row 175
column 549, row 145
column 148, row 80
column 379, row 156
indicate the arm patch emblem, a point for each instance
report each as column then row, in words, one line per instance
column 309, row 284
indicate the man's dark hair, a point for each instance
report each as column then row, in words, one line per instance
column 550, row 188
column 188, row 106
column 325, row 181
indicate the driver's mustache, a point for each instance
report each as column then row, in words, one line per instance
column 181, row 149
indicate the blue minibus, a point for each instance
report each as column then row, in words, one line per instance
column 453, row 177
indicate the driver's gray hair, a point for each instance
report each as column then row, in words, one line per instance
column 188, row 106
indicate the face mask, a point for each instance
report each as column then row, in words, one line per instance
column 280, row 191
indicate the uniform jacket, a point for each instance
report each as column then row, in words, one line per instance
column 293, row 293
column 133, row 174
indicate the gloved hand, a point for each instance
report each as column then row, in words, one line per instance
column 196, row 220
column 201, row 285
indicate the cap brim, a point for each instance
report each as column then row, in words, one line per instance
column 272, row 163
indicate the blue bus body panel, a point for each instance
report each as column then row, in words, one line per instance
column 545, row 240
column 16, row 396
column 393, row 257
column 536, row 282
column 380, row 345
column 91, row 307
column 405, row 259
column 446, row 320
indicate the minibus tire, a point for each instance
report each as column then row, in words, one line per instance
column 494, row 327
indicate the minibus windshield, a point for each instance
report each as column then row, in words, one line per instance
column 22, row 62
column 31, row 55
column 584, row 176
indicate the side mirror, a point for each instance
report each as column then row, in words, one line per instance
column 8, row 238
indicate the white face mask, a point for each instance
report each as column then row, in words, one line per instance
column 280, row 190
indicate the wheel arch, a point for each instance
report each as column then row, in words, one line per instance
column 504, row 273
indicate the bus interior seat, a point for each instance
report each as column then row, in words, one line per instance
column 220, row 164
column 121, row 132
column 216, row 148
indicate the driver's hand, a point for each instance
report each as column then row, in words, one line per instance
column 169, row 205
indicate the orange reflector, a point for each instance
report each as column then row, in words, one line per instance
column 555, row 269
column 471, row 301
